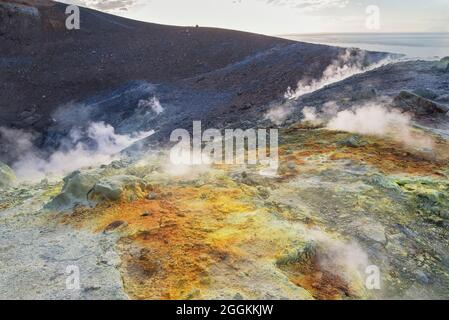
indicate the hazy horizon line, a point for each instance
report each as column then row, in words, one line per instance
column 363, row 33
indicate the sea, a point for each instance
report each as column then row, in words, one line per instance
column 428, row 46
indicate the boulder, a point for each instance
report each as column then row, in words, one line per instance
column 442, row 65
column 121, row 187
column 418, row 105
column 426, row 93
column 372, row 231
column 384, row 182
column 352, row 141
column 443, row 98
column 7, row 176
column 422, row 277
column 304, row 255
column 75, row 190
column 113, row 226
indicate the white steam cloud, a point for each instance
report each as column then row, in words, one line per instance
column 278, row 114
column 370, row 119
column 16, row 142
column 152, row 103
column 32, row 166
column 345, row 259
column 345, row 66
column 311, row 116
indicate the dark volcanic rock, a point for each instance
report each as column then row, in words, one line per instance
column 115, row 225
column 388, row 81
column 50, row 65
column 426, row 93
column 418, row 105
column 100, row 72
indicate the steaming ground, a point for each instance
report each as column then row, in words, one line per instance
column 362, row 186
column 344, row 66
column 98, row 144
column 362, row 183
column 339, row 204
column 373, row 118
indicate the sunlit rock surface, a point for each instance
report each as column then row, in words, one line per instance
column 118, row 187
column 336, row 207
column 38, row 254
column 341, row 205
column 7, row 176
column 75, row 191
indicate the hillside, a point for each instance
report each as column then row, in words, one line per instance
column 45, row 67
column 359, row 186
column 51, row 66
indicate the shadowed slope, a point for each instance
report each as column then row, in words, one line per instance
column 50, row 65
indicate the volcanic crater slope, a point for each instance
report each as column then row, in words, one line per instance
column 341, row 202
column 209, row 74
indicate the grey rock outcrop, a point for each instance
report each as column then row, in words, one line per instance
column 75, row 190
column 411, row 102
column 118, row 187
column 7, row 176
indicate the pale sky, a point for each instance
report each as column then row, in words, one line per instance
column 276, row 17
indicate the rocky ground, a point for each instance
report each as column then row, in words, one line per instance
column 198, row 70
column 342, row 200
column 309, row 232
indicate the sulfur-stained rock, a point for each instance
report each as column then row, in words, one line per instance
column 371, row 231
column 75, row 190
column 146, row 214
column 303, row 255
column 427, row 196
column 118, row 187
column 253, row 179
column 7, row 176
column 353, row 141
column 152, row 196
column 118, row 224
column 384, row 182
